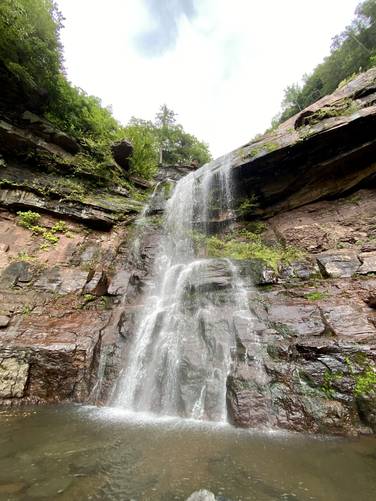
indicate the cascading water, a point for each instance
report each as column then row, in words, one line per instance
column 182, row 350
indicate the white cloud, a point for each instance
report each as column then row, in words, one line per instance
column 225, row 74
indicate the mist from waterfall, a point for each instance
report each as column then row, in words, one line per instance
column 182, row 351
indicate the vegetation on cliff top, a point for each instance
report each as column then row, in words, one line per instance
column 32, row 75
column 352, row 51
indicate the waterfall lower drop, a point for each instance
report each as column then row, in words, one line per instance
column 181, row 354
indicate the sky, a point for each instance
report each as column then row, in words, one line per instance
column 221, row 65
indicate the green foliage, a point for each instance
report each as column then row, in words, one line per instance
column 352, row 51
column 29, row 221
column 247, row 245
column 29, row 44
column 141, row 133
column 316, row 296
column 365, row 382
column 247, row 205
column 330, row 378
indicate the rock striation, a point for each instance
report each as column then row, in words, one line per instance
column 68, row 310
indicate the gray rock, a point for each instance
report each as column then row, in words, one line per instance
column 338, row 264
column 17, row 273
column 258, row 271
column 202, row 495
column 4, row 321
column 296, row 320
column 62, row 280
column 97, row 284
column 368, row 260
column 349, row 321
column 119, row 283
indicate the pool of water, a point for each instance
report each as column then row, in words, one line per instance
column 74, row 453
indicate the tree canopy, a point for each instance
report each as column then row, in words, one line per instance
column 352, row 51
column 32, row 76
column 164, row 142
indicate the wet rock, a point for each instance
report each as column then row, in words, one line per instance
column 247, row 403
column 302, row 270
column 122, row 151
column 210, row 274
column 371, row 300
column 296, row 320
column 318, row 160
column 202, row 495
column 119, row 283
column 158, row 200
column 258, row 271
column 368, row 261
column 17, row 273
column 338, row 264
column 97, row 284
column 126, row 323
column 13, row 377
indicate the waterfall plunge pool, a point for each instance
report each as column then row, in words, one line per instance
column 88, row 453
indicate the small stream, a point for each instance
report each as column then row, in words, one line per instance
column 85, row 453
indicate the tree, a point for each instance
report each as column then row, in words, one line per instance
column 352, row 51
column 142, row 134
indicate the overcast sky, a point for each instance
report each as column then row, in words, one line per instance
column 221, row 65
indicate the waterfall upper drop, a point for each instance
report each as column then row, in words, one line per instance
column 181, row 354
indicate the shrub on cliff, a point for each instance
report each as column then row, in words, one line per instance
column 352, row 51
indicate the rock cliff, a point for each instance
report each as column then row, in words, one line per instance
column 70, row 292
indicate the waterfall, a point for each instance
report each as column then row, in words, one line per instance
column 181, row 353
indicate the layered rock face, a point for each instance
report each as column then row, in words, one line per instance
column 63, row 275
column 68, row 307
column 312, row 183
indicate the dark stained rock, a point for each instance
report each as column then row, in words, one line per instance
column 122, row 152
column 338, row 264
column 96, row 212
column 17, row 273
column 258, row 271
column 293, row 166
column 44, row 129
column 97, row 284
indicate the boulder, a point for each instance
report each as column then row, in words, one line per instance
column 122, row 152
column 119, row 283
column 368, row 260
column 4, row 321
column 338, row 264
column 97, row 284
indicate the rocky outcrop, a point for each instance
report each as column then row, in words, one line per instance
column 316, row 329
column 122, row 152
column 327, row 150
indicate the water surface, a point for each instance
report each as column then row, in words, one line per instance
column 74, row 453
